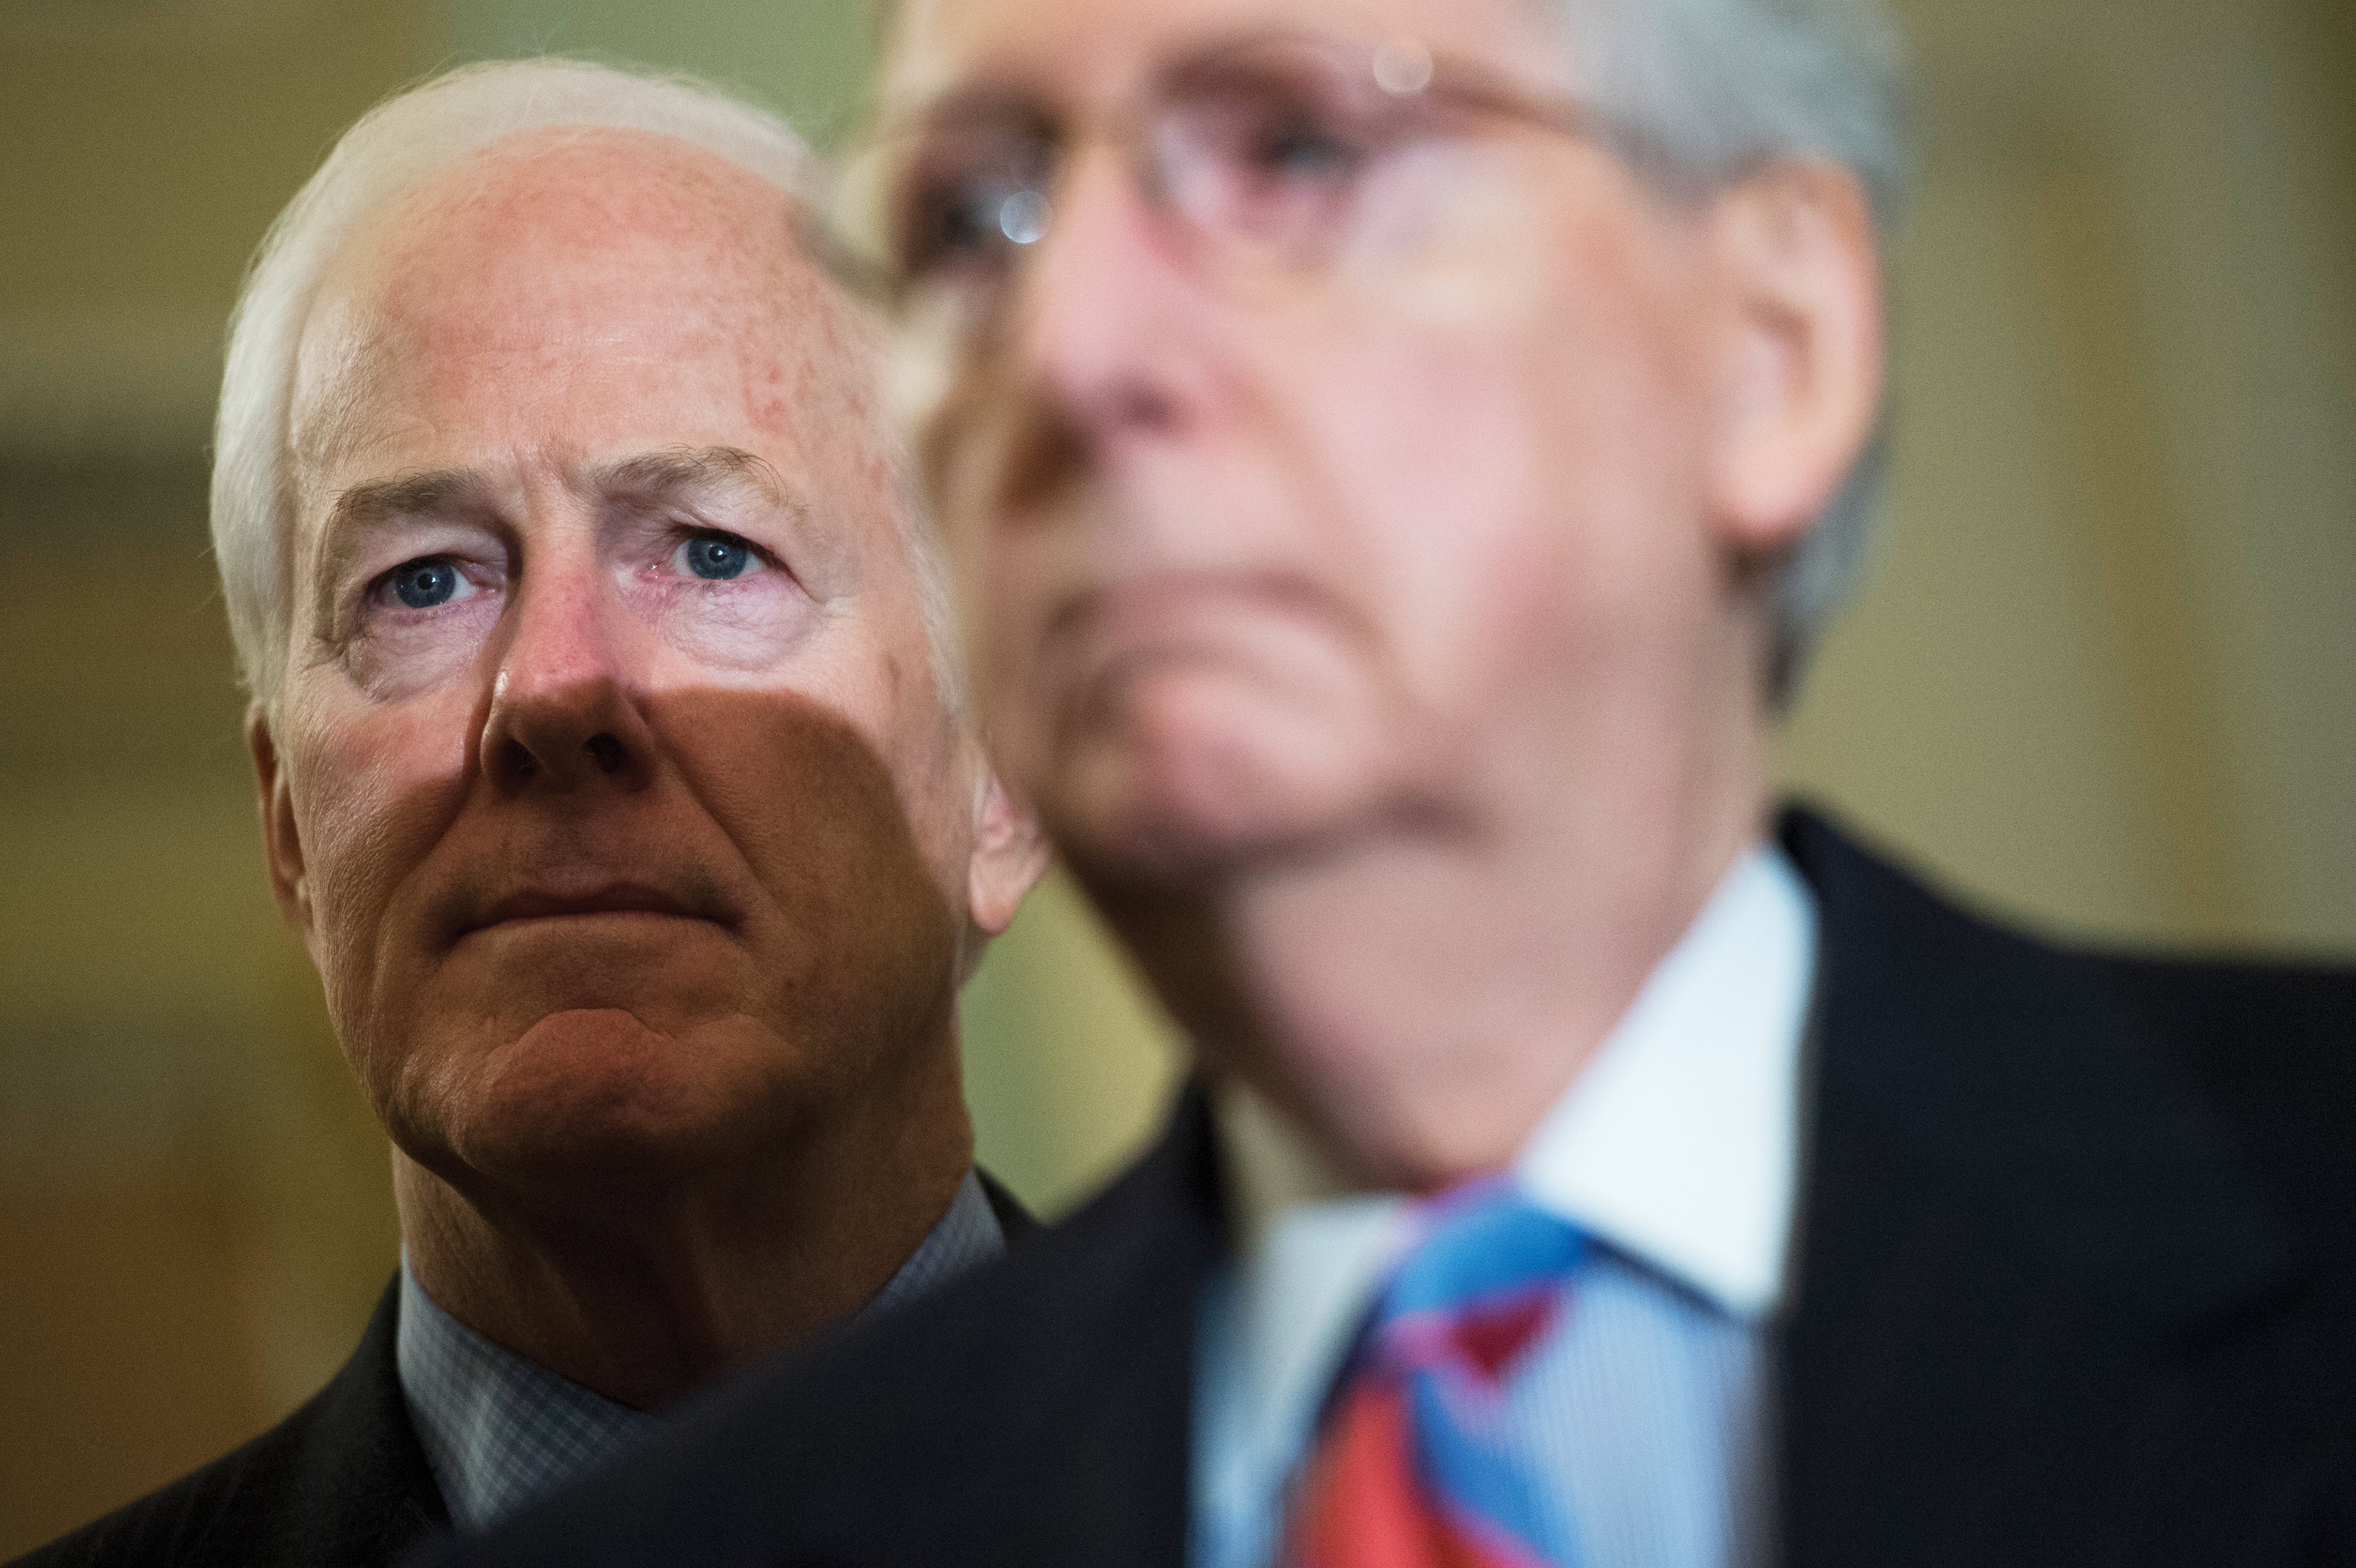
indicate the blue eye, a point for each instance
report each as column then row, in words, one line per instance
column 716, row 558
column 423, row 584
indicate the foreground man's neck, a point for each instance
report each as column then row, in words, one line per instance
column 644, row 1292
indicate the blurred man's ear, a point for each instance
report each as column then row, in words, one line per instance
column 1010, row 855
column 280, row 842
column 1799, row 279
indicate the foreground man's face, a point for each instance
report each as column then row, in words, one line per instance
column 611, row 781
column 1253, row 566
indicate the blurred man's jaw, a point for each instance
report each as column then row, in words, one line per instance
column 1399, row 620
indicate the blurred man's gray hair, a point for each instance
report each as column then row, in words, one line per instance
column 400, row 143
column 1706, row 91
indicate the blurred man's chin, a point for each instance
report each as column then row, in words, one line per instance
column 1198, row 785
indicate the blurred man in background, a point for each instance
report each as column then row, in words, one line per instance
column 613, row 764
column 1398, row 455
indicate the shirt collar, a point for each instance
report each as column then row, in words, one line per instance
column 498, row 1430
column 966, row 1237
column 1679, row 1143
column 501, row 1431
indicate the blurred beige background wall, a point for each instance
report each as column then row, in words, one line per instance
column 2104, row 678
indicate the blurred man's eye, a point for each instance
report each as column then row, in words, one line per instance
column 714, row 558
column 967, row 221
column 1301, row 149
column 431, row 580
column 958, row 223
column 972, row 195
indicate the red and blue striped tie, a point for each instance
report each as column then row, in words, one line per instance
column 1415, row 1465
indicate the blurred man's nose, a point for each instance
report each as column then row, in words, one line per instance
column 565, row 712
column 1102, row 332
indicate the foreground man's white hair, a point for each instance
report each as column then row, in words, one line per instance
column 1704, row 90
column 396, row 145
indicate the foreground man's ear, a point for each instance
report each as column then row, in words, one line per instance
column 1798, row 279
column 281, row 843
column 1010, row 854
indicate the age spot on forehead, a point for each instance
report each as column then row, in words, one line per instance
column 829, row 366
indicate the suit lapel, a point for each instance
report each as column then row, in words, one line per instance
column 1125, row 1275
column 362, row 1491
column 2007, row 1211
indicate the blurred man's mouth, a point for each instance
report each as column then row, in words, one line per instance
column 1181, row 612
column 1262, row 627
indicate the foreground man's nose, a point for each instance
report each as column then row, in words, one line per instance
column 562, row 715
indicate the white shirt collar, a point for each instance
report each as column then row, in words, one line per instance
column 1679, row 1143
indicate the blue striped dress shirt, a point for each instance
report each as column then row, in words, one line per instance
column 1647, row 1408
column 501, row 1431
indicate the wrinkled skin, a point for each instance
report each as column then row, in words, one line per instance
column 641, row 892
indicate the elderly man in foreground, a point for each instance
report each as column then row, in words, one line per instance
column 1398, row 455
column 612, row 765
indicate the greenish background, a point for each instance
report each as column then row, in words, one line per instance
column 2103, row 678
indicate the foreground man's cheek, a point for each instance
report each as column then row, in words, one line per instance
column 373, row 795
column 551, row 1039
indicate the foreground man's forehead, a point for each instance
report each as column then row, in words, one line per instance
column 575, row 222
column 630, row 252
column 625, row 185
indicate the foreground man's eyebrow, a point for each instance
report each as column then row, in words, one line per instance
column 684, row 470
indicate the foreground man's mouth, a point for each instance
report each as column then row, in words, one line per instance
column 615, row 899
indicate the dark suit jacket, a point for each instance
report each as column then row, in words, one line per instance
column 2076, row 1283
column 341, row 1483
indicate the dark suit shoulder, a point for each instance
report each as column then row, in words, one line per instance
column 2074, row 1280
column 2118, row 1059
column 1032, row 1412
column 206, row 1517
column 341, row 1483
column 2268, row 1051
column 2235, row 1024
column 2240, row 1034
